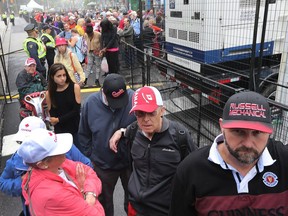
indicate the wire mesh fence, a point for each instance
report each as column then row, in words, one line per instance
column 211, row 51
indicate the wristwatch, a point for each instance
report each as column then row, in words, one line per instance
column 122, row 131
column 89, row 192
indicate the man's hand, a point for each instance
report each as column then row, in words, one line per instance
column 54, row 120
column 101, row 53
column 113, row 142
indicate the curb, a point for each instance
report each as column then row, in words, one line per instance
column 5, row 36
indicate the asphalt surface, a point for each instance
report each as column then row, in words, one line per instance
column 14, row 37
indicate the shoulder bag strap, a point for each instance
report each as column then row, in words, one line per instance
column 26, row 187
column 72, row 62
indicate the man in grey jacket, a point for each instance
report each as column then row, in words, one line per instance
column 128, row 35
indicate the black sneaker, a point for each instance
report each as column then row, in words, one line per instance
column 97, row 83
column 85, row 82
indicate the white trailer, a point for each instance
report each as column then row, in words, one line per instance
column 214, row 38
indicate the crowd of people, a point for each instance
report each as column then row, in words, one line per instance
column 123, row 134
column 91, row 36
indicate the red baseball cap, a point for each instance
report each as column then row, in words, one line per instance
column 146, row 99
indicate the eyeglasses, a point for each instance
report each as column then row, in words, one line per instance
column 141, row 114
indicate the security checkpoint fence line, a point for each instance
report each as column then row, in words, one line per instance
column 197, row 100
column 5, row 93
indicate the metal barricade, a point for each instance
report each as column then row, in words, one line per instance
column 189, row 103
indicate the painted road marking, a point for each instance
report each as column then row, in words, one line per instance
column 10, row 146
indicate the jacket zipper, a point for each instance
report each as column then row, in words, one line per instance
column 149, row 164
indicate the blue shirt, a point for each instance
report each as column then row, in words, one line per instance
column 65, row 34
column 136, row 26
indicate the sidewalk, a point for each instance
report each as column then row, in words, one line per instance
column 5, row 36
column 12, row 38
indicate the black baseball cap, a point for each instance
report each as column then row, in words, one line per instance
column 45, row 27
column 114, row 88
column 248, row 110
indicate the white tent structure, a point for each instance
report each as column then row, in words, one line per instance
column 34, row 5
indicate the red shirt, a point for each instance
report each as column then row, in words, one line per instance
column 121, row 24
column 71, row 26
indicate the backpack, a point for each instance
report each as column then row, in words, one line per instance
column 83, row 47
column 181, row 139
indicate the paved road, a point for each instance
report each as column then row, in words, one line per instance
column 12, row 206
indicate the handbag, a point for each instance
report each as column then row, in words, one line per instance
column 104, row 65
column 76, row 74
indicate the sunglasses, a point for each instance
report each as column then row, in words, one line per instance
column 141, row 114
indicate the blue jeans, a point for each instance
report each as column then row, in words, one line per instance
column 94, row 61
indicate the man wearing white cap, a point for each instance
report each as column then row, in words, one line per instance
column 135, row 23
column 157, row 147
column 54, row 185
column 108, row 14
column 29, row 80
column 72, row 22
column 243, row 172
column 11, row 177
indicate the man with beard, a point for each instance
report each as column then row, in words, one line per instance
column 244, row 172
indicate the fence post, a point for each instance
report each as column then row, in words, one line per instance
column 148, row 67
column 252, row 81
column 2, row 59
column 143, row 72
column 131, row 54
column 199, row 114
column 262, row 45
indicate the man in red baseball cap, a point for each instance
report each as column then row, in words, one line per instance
column 157, row 146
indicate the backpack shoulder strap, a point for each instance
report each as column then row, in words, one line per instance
column 77, row 47
column 181, row 139
column 130, row 136
column 131, row 133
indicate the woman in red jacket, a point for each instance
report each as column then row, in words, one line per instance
column 55, row 185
